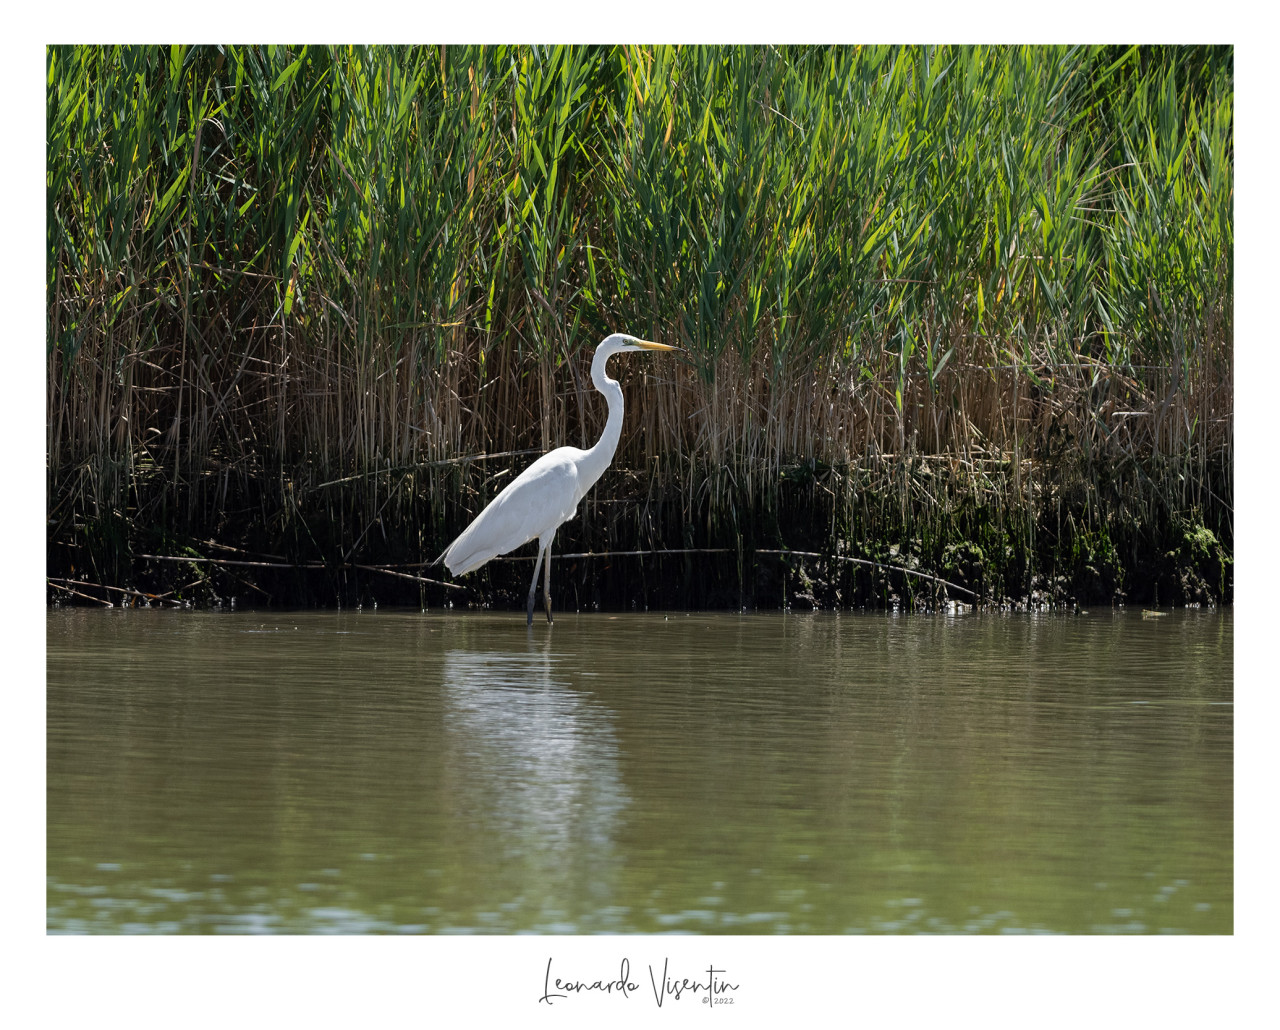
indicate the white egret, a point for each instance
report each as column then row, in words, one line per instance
column 546, row 494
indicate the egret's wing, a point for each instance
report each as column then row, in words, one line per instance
column 532, row 505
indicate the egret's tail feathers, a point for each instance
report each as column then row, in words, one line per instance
column 460, row 566
column 459, row 558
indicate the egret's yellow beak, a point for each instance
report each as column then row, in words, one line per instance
column 654, row 346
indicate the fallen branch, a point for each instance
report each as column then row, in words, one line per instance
column 460, row 460
column 234, row 561
column 405, row 575
column 96, row 600
column 298, row 565
column 618, row 554
column 507, row 557
column 161, row 598
column 729, row 550
column 877, row 565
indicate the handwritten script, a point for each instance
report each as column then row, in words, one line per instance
column 709, row 985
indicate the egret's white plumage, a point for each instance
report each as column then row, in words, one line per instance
column 546, row 494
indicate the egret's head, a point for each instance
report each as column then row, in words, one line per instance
column 623, row 342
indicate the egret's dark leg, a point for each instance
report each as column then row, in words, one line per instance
column 546, row 583
column 533, row 584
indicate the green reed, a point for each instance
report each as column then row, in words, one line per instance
column 310, row 284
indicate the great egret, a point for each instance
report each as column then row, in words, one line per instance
column 546, row 494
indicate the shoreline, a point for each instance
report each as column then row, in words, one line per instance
column 822, row 541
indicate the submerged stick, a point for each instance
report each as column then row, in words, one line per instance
column 161, row 598
column 58, row 585
column 729, row 550
column 437, row 463
column 298, row 565
column 877, row 565
column 405, row 575
column 620, row 554
column 234, row 561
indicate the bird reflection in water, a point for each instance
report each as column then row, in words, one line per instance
column 537, row 762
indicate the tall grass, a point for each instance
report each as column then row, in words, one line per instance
column 922, row 291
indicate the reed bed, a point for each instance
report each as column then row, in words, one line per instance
column 962, row 310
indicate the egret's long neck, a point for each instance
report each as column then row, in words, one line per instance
column 599, row 456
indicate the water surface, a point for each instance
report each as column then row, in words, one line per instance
column 444, row 773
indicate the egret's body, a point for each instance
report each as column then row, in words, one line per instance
column 548, row 492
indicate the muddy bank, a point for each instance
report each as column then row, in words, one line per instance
column 910, row 536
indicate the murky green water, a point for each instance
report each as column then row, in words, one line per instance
column 440, row 773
